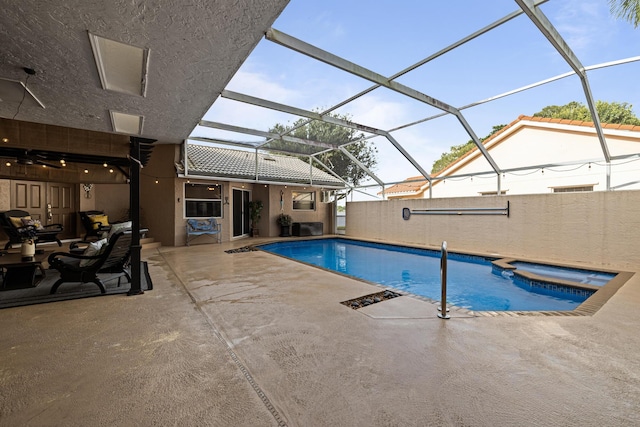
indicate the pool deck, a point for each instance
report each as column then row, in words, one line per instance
column 253, row 339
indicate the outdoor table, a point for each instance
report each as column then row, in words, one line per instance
column 19, row 272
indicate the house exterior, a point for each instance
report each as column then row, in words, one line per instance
column 538, row 155
column 213, row 181
column 220, row 182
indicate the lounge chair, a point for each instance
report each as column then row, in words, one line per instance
column 17, row 224
column 95, row 223
column 112, row 257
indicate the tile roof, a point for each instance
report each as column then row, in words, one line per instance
column 226, row 163
column 411, row 185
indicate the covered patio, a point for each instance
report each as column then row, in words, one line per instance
column 261, row 340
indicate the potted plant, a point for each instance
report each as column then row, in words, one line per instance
column 284, row 221
column 28, row 247
column 255, row 211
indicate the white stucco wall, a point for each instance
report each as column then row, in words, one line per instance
column 543, row 144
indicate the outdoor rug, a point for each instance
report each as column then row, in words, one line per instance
column 67, row 291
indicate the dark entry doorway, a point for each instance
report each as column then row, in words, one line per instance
column 240, row 212
column 50, row 202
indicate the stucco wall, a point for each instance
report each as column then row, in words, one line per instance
column 596, row 228
column 159, row 201
column 5, row 194
column 112, row 199
column 542, row 144
column 322, row 212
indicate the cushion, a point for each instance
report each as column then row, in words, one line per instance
column 121, row 226
column 94, row 248
column 99, row 220
column 17, row 221
column 35, row 222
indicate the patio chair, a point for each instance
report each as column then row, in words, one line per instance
column 95, row 223
column 113, row 257
column 199, row 227
column 17, row 223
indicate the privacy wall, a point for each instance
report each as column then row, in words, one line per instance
column 595, row 228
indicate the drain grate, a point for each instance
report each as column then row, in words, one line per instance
column 242, row 249
column 367, row 300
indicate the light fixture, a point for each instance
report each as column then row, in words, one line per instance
column 122, row 67
column 110, row 170
column 86, row 171
column 156, row 180
column 62, row 161
column 5, row 140
column 105, row 164
column 44, row 166
column 8, row 164
column 130, row 124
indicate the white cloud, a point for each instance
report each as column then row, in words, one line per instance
column 583, row 24
column 262, row 86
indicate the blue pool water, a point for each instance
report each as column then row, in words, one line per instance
column 470, row 281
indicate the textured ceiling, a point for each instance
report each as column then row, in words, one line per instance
column 195, row 48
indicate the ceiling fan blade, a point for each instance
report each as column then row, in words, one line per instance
column 49, row 165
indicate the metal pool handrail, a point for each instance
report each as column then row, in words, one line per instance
column 443, row 278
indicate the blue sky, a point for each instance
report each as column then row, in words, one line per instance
column 388, row 36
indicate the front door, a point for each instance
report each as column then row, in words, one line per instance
column 61, row 202
column 51, row 203
column 240, row 212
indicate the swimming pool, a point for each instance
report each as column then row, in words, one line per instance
column 472, row 281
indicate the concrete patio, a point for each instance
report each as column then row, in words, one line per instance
column 252, row 339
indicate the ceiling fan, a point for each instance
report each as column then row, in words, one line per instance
column 30, row 157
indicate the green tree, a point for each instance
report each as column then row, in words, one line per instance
column 458, row 151
column 365, row 151
column 609, row 112
column 628, row 10
column 572, row 111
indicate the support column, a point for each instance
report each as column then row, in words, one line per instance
column 134, row 204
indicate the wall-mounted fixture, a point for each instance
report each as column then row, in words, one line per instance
column 87, row 190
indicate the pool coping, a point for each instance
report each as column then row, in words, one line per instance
column 587, row 308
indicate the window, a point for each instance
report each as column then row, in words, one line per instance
column 202, row 200
column 304, row 200
column 573, row 189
